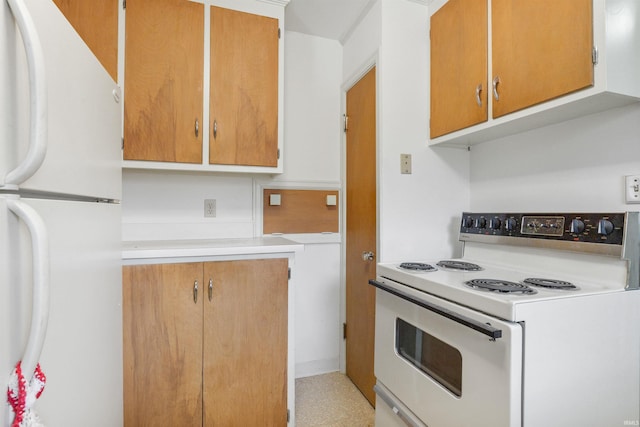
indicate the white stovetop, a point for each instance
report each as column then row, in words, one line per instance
column 450, row 285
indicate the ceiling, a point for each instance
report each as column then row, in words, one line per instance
column 331, row 19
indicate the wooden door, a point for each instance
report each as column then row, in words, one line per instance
column 541, row 50
column 245, row 343
column 361, row 232
column 244, row 89
column 97, row 23
column 162, row 345
column 164, row 43
column 458, row 66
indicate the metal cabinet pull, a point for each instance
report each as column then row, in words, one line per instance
column 197, row 128
column 496, row 82
column 478, row 92
column 215, row 129
column 195, row 291
column 210, row 289
column 368, row 256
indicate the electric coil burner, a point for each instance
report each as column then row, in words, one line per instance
column 550, row 284
column 417, row 267
column 459, row 265
column 502, row 286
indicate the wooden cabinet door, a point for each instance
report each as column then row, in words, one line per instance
column 541, row 50
column 164, row 43
column 162, row 345
column 245, row 343
column 458, row 66
column 244, row 89
column 97, row 23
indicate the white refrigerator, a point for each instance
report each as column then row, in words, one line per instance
column 60, row 186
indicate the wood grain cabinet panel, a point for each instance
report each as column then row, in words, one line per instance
column 97, row 23
column 541, row 50
column 164, row 41
column 206, row 343
column 245, row 344
column 300, row 211
column 162, row 345
column 458, row 66
column 244, row 89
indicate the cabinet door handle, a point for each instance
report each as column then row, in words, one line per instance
column 215, row 129
column 478, row 92
column 197, row 128
column 195, row 291
column 496, row 82
column 210, row 289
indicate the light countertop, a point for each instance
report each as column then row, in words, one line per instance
column 207, row 248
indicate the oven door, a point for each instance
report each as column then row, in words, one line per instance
column 450, row 366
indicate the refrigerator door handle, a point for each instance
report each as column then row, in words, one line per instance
column 40, row 306
column 37, row 99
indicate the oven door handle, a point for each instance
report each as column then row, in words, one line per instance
column 483, row 328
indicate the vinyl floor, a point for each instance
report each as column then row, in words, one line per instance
column 331, row 400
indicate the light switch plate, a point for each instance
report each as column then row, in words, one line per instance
column 405, row 163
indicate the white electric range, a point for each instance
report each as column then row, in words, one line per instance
column 554, row 340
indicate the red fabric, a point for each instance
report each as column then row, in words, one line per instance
column 18, row 398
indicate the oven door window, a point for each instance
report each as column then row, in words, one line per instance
column 430, row 355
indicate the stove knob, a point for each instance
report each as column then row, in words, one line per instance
column 577, row 226
column 467, row 222
column 605, row 227
column 510, row 224
column 495, row 223
column 481, row 223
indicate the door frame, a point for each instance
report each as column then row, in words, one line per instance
column 366, row 66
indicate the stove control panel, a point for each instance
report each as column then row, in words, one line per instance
column 603, row 228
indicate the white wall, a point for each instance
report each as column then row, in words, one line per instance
column 418, row 212
column 312, row 126
column 160, row 205
column 577, row 165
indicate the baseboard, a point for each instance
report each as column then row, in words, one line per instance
column 317, row 367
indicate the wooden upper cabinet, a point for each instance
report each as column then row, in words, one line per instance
column 245, row 343
column 244, row 89
column 164, row 42
column 162, row 345
column 542, row 49
column 458, row 66
column 97, row 23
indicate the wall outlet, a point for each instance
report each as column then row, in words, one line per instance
column 405, row 163
column 209, row 208
column 632, row 188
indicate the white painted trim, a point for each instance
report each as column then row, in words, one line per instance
column 282, row 3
